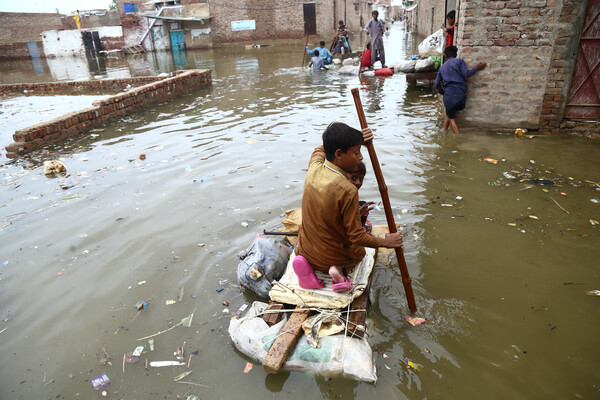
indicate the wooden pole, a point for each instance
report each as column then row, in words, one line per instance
column 304, row 49
column 386, row 205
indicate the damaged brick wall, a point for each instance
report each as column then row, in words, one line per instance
column 37, row 136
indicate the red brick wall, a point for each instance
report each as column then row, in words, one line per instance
column 274, row 19
column 37, row 136
column 18, row 50
column 24, row 27
column 527, row 45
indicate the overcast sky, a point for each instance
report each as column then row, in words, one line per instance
column 50, row 6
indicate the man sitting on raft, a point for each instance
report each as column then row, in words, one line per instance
column 323, row 53
column 332, row 237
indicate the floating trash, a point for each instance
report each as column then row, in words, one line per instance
column 165, row 363
column 248, row 367
column 414, row 321
column 100, row 381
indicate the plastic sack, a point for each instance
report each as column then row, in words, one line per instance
column 438, row 61
column 337, row 355
column 433, row 45
column 426, row 65
column 263, row 261
column 348, row 70
column 384, row 72
column 350, row 61
column 406, row 66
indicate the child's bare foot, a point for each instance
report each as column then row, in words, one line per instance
column 336, row 274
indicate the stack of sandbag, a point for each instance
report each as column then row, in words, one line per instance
column 405, row 66
column 425, row 65
column 337, row 354
column 348, row 70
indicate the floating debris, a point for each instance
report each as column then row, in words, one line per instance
column 414, row 321
column 100, row 381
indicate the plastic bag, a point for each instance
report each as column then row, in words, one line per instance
column 384, row 72
column 426, row 65
column 433, row 45
column 263, row 261
column 337, row 355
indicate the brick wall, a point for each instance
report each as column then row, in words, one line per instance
column 521, row 42
column 24, row 27
column 111, row 18
column 18, row 50
column 274, row 19
column 425, row 24
column 37, row 136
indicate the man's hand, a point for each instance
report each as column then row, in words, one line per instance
column 481, row 66
column 392, row 240
column 367, row 135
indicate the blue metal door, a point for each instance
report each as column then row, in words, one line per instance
column 177, row 41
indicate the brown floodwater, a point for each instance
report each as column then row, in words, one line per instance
column 500, row 266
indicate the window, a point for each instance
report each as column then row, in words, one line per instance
column 130, row 8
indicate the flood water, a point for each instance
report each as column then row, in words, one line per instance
column 500, row 271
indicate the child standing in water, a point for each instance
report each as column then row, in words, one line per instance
column 316, row 62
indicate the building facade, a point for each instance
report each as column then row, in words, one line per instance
column 542, row 58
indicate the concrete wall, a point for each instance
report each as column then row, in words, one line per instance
column 37, row 136
column 24, row 27
column 70, row 42
column 63, row 43
column 524, row 44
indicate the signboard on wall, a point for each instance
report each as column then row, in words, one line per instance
column 248, row 25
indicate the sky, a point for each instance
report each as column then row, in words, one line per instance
column 50, row 6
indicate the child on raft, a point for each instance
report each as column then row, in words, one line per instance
column 356, row 176
column 331, row 238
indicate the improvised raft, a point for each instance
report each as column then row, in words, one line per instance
column 300, row 329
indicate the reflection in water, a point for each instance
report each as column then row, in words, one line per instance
column 488, row 278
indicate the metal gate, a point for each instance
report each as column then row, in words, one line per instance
column 583, row 101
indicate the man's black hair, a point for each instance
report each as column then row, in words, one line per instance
column 322, row 43
column 451, row 51
column 369, row 45
column 316, row 53
column 340, row 136
column 341, row 22
column 375, row 13
column 451, row 14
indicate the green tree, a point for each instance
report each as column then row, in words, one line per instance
column 113, row 5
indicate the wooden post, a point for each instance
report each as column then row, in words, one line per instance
column 386, row 205
column 285, row 342
column 271, row 318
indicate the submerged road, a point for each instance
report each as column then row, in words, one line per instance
column 501, row 265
